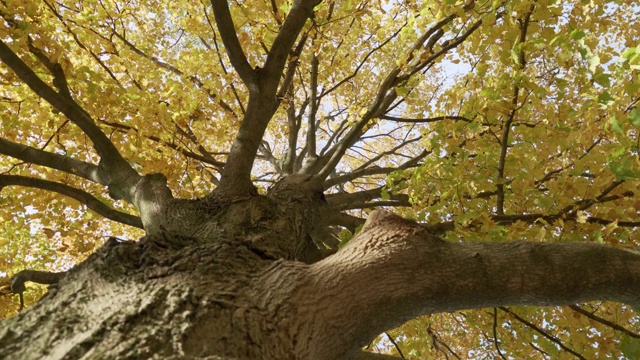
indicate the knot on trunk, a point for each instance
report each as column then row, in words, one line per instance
column 298, row 187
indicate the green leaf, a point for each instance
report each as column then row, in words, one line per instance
column 630, row 347
column 132, row 96
column 285, row 7
column 627, row 54
column 623, row 169
column 602, row 79
column 577, row 34
column 583, row 52
column 615, row 125
column 634, row 117
column 384, row 194
column 489, row 93
column 558, row 38
column 634, row 61
column 402, row 90
column 605, row 98
column 599, row 237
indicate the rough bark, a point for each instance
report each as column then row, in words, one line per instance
column 235, row 288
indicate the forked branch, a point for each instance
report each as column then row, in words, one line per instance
column 117, row 169
column 227, row 30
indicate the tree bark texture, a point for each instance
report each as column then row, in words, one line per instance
column 245, row 286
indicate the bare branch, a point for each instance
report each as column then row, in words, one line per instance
column 401, row 201
column 204, row 156
column 362, row 62
column 231, row 43
column 311, row 131
column 374, row 170
column 40, row 277
column 386, row 93
column 603, row 321
column 294, row 123
column 496, row 342
column 81, row 196
column 548, row 176
column 437, row 341
column 51, row 160
column 59, row 78
column 425, row 120
column 291, row 68
column 395, row 344
column 343, row 200
column 542, row 332
column 504, row 142
column 301, row 10
column 81, row 45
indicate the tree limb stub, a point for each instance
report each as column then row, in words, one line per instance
column 40, row 277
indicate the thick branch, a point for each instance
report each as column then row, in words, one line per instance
column 294, row 128
column 283, row 43
column 40, row 277
column 231, row 43
column 51, row 160
column 81, row 196
column 263, row 103
column 395, row 270
column 345, row 199
column 333, row 217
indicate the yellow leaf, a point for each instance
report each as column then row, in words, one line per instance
column 581, row 217
column 609, row 228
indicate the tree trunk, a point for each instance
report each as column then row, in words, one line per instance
column 240, row 291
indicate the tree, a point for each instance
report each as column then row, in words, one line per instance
column 263, row 148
